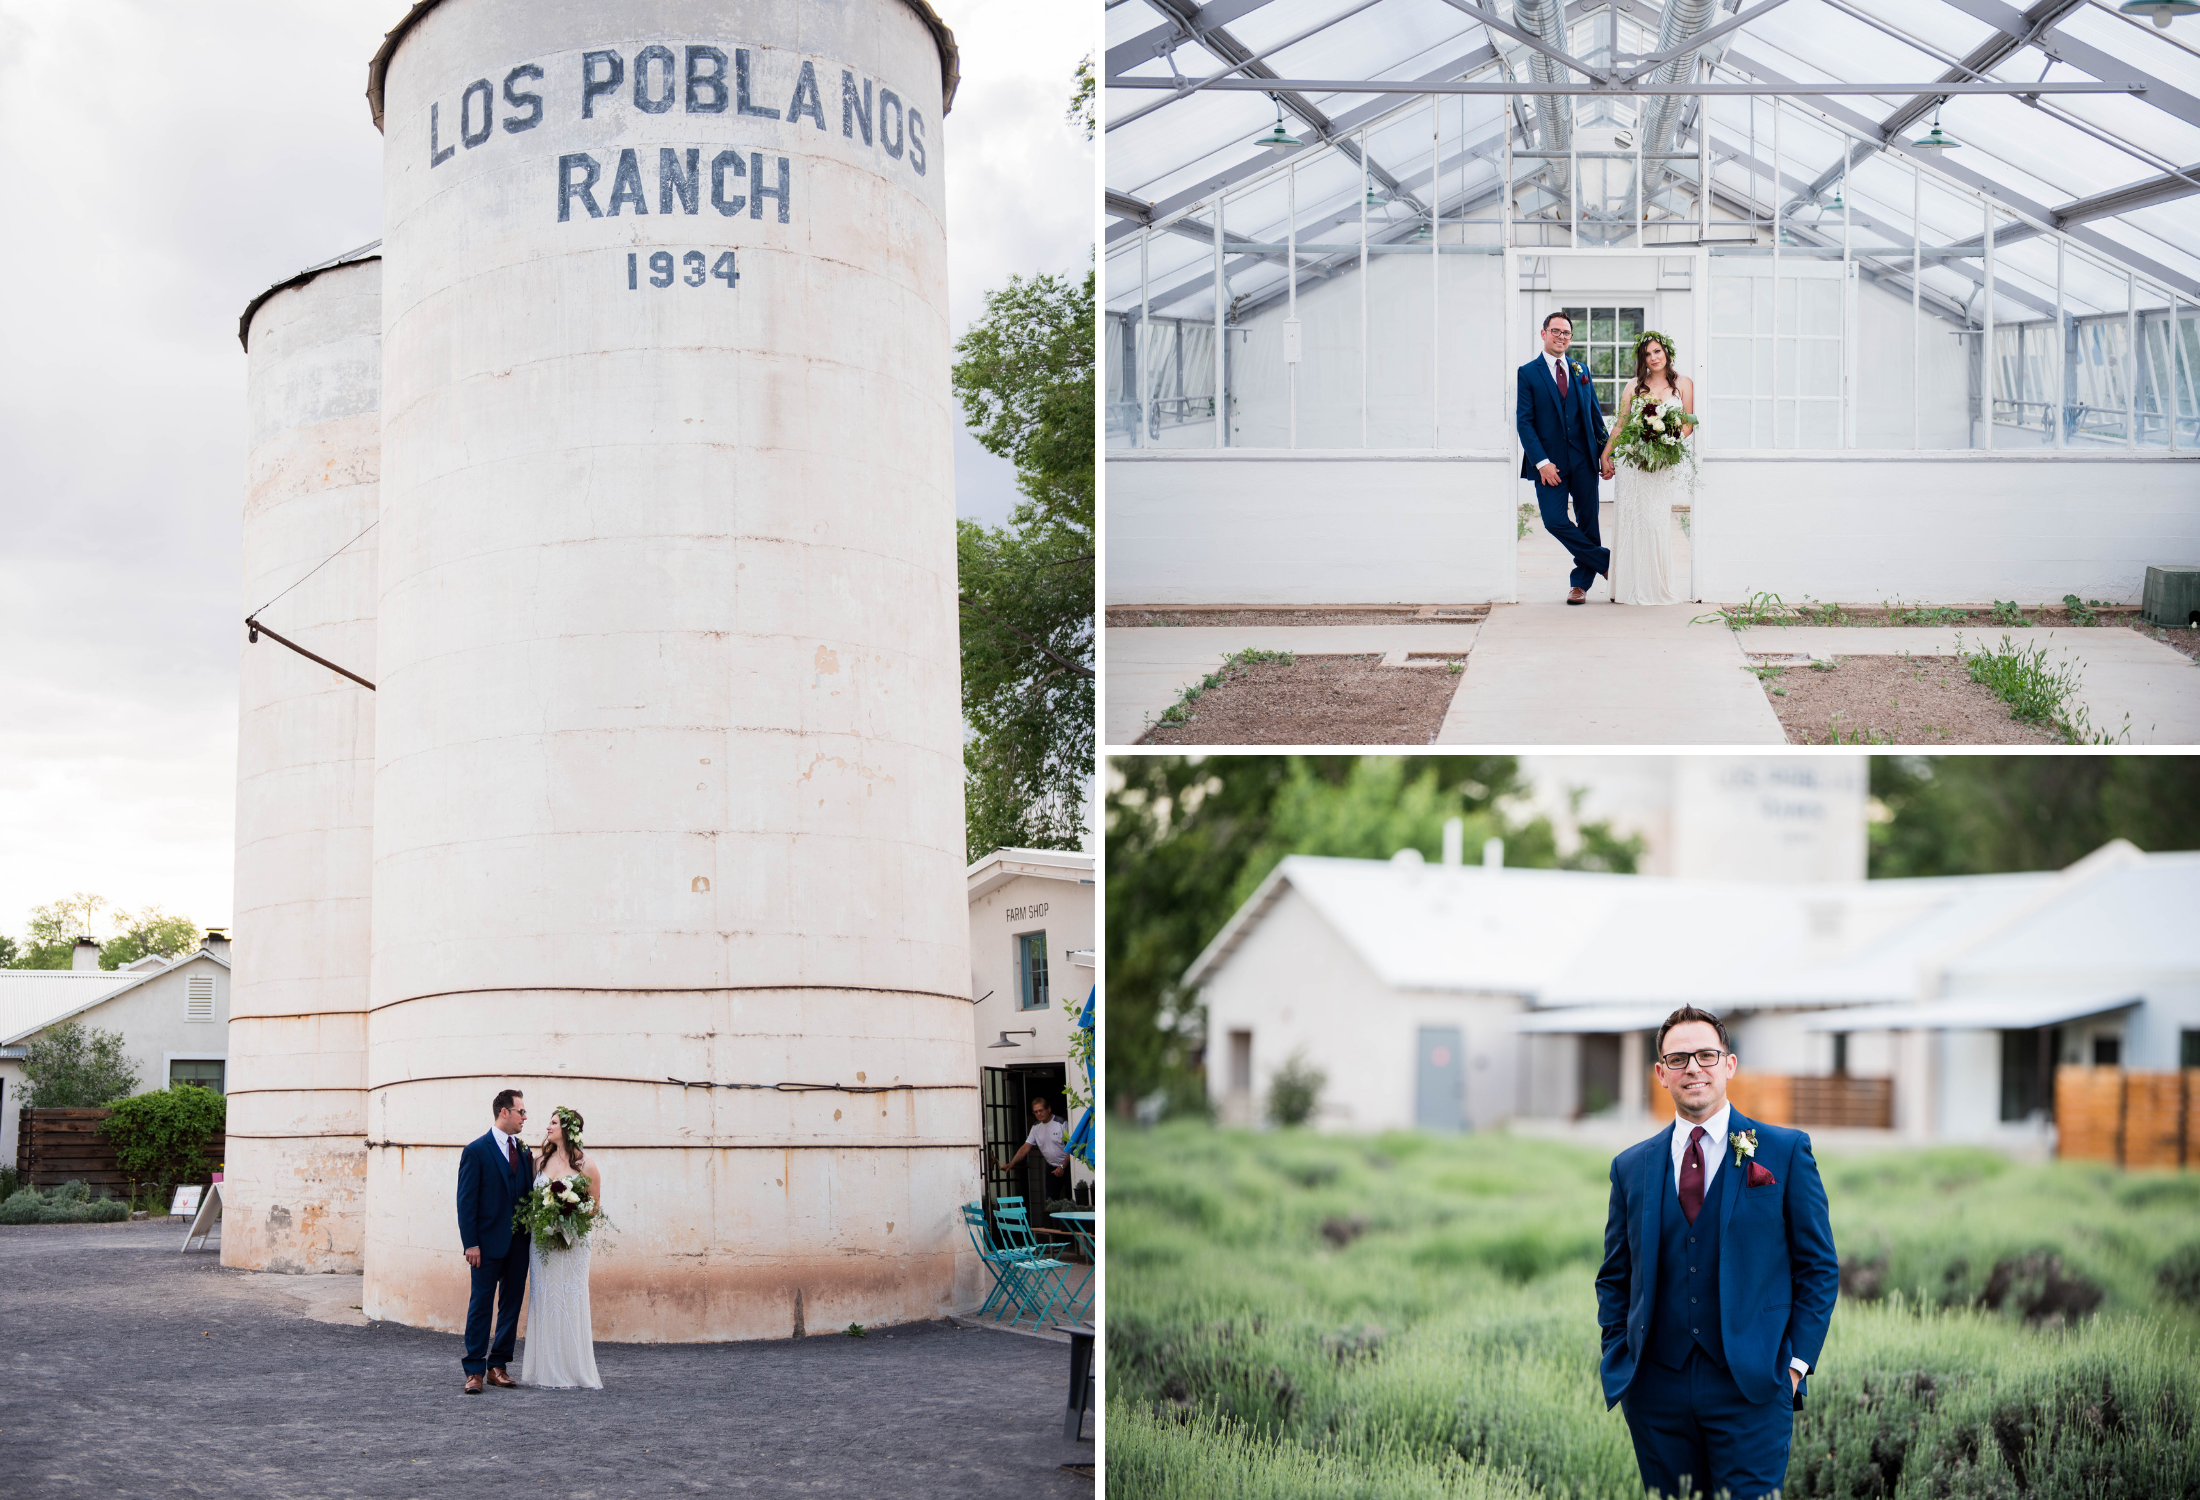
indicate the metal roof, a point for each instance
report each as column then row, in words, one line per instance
column 2117, row 172
column 361, row 255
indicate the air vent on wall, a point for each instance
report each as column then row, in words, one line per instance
column 198, row 998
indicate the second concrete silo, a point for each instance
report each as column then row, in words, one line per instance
column 668, row 801
column 296, row 1169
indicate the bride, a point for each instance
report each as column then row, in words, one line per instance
column 561, row 1346
column 1642, row 540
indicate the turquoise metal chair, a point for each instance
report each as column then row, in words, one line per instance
column 1039, row 1270
column 1004, row 1264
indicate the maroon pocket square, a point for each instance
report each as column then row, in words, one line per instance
column 1760, row 1176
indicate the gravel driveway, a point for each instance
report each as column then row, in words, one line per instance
column 129, row 1369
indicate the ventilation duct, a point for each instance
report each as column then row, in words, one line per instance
column 1554, row 112
column 1682, row 20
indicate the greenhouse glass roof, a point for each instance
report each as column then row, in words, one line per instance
column 2113, row 172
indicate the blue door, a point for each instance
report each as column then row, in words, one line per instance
column 1440, row 1081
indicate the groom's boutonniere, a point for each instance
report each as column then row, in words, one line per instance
column 1745, row 1150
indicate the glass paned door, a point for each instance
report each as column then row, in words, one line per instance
column 1604, row 341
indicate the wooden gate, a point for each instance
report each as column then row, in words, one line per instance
column 53, row 1146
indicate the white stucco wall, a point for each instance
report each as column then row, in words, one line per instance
column 1061, row 906
column 1363, row 527
column 1300, row 989
column 1953, row 528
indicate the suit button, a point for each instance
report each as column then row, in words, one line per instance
column 1691, row 1270
column 1692, row 1301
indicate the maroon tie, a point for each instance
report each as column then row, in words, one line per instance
column 1692, row 1176
column 511, row 1148
column 1562, row 380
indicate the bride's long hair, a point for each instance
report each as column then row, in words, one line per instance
column 1643, row 346
column 569, row 1125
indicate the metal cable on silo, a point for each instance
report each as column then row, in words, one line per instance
column 254, row 629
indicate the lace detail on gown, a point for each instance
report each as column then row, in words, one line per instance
column 560, row 1348
column 1642, row 535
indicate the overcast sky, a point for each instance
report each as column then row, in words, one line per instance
column 161, row 165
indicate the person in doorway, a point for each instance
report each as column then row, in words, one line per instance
column 1718, row 1281
column 1562, row 432
column 1046, row 1137
column 494, row 1173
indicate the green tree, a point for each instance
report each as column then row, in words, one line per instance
column 1985, row 814
column 1082, row 100
column 1024, row 376
column 161, row 1138
column 1189, row 839
column 72, row 1066
column 55, row 927
column 10, row 953
column 149, row 930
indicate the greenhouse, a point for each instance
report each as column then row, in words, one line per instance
column 1930, row 265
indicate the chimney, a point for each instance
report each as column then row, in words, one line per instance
column 216, row 942
column 1455, row 841
column 1493, row 854
column 86, row 957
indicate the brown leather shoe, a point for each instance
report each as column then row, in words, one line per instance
column 1577, row 596
column 502, row 1381
column 473, row 1385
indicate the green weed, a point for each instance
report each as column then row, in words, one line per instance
column 1527, row 519
column 2036, row 692
column 1758, row 609
column 2081, row 613
column 2006, row 612
column 1922, row 614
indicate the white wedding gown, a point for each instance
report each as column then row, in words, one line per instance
column 560, row 1350
column 1642, row 534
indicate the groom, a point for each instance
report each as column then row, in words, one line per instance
column 1718, row 1280
column 1562, row 432
column 494, row 1173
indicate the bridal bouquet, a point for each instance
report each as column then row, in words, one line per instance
column 1654, row 437
column 560, row 1213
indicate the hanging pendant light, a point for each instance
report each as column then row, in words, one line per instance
column 2160, row 12
column 1278, row 139
column 1937, row 141
column 1833, row 205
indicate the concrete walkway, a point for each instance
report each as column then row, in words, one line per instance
column 2123, row 678
column 1148, row 668
column 1606, row 674
column 1543, row 672
column 129, row 1369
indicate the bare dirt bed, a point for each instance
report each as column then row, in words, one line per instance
column 1317, row 700
column 1893, row 700
column 2187, row 641
column 1133, row 618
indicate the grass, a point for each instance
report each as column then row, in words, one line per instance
column 2036, row 692
column 1233, row 665
column 1527, row 519
column 1297, row 1314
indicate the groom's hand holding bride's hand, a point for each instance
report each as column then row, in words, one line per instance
column 1609, row 470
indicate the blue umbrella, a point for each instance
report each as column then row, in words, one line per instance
column 1080, row 1140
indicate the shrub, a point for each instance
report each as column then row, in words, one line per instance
column 70, row 1203
column 1295, row 1092
column 72, row 1066
column 9, row 1182
column 2180, row 1276
column 162, row 1137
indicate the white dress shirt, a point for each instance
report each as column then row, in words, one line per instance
column 1550, row 363
column 1713, row 1145
column 505, row 1146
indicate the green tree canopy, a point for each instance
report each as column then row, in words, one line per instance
column 148, row 930
column 1188, row 839
column 55, row 927
column 1986, row 814
column 73, row 1066
column 1024, row 376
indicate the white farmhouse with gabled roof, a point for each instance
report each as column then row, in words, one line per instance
column 1450, row 997
column 173, row 1016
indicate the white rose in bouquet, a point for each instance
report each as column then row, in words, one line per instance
column 570, row 1196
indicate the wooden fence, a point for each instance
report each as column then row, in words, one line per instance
column 2134, row 1119
column 53, row 1146
column 1792, row 1099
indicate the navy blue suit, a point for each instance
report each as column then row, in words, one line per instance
column 1699, row 1320
column 488, row 1190
column 1569, row 432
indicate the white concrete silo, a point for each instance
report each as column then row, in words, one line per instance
column 669, row 781
column 296, row 1168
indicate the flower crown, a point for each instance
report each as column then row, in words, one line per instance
column 570, row 1123
column 1672, row 355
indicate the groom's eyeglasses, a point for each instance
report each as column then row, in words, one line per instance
column 1706, row 1059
